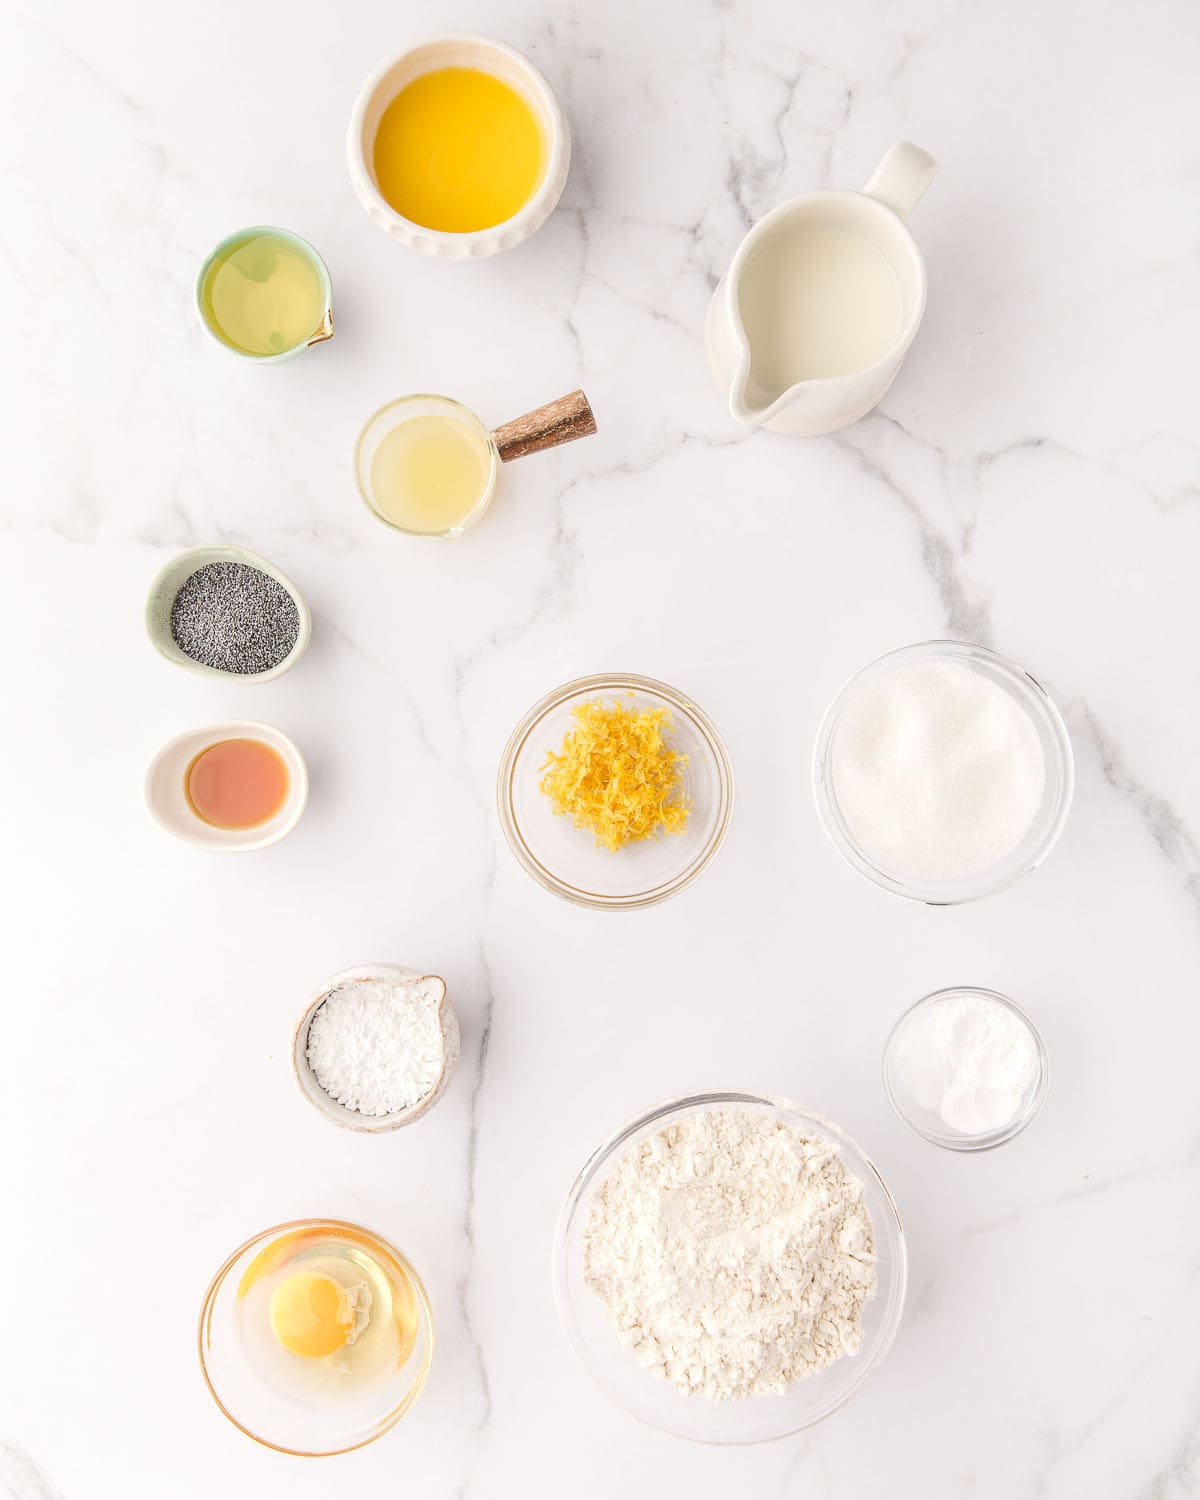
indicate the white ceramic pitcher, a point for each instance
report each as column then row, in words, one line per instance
column 808, row 327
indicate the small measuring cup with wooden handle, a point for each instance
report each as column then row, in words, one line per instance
column 560, row 421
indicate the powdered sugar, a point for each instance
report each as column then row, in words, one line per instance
column 377, row 1045
column 734, row 1253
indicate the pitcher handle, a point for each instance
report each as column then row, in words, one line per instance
column 902, row 177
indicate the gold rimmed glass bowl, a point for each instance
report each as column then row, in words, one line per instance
column 566, row 859
column 280, row 1418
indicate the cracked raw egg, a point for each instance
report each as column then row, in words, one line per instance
column 320, row 1314
column 311, row 1314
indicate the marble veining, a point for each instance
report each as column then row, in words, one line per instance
column 1029, row 482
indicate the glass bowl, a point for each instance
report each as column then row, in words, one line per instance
column 380, row 423
column 564, row 858
column 1048, row 823
column 756, row 1419
column 284, row 1421
column 927, row 1123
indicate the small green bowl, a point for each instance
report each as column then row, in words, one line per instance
column 171, row 579
column 324, row 329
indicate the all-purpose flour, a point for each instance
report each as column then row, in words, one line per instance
column 734, row 1253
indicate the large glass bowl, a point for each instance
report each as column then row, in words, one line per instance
column 564, row 858
column 276, row 1418
column 1051, row 816
column 756, row 1419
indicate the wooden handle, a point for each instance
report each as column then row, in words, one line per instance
column 560, row 421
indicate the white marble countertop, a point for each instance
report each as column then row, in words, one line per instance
column 1030, row 482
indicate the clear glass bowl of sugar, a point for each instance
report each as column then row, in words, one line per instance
column 907, row 1078
column 1048, row 812
column 753, row 1419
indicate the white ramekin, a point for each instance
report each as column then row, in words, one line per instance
column 457, row 49
column 165, row 789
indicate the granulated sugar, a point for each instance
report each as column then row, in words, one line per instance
column 938, row 771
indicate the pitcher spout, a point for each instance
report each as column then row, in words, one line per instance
column 742, row 404
column 753, row 405
column 749, row 401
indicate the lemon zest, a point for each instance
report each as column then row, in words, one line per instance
column 617, row 775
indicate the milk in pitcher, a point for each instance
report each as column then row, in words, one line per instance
column 818, row 301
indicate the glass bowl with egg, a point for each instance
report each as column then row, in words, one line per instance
column 561, row 843
column 316, row 1337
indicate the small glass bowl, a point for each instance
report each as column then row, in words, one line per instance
column 927, row 1123
column 757, row 1419
column 564, row 858
column 283, row 1422
column 1051, row 816
column 404, row 409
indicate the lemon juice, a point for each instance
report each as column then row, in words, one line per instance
column 429, row 472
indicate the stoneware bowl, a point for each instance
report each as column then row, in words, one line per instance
column 457, row 49
column 351, row 1119
column 169, row 807
column 320, row 335
column 175, row 574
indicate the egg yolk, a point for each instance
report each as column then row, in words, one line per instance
column 311, row 1314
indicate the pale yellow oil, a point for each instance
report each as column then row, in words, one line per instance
column 429, row 473
column 263, row 295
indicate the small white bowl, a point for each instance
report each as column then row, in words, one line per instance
column 166, row 796
column 353, row 1119
column 171, row 578
column 457, row 49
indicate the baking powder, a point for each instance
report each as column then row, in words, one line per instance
column 969, row 1059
